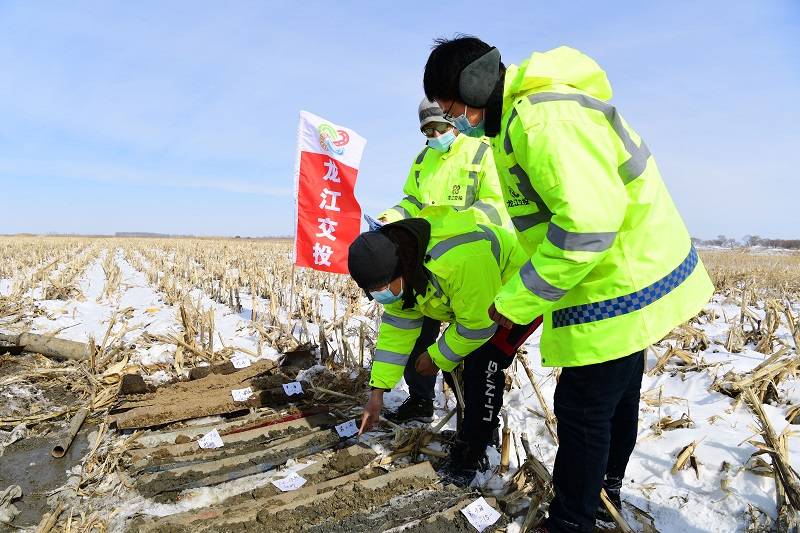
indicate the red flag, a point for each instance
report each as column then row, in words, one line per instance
column 328, row 214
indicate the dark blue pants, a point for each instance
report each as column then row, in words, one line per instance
column 597, row 407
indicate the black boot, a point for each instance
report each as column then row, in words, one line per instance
column 613, row 488
column 414, row 408
column 466, row 459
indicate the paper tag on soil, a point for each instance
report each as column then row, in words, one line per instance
column 348, row 429
column 211, row 440
column 480, row 514
column 293, row 388
column 291, row 482
column 242, row 395
column 240, row 361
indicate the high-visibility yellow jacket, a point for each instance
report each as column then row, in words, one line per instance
column 464, row 177
column 467, row 263
column 612, row 267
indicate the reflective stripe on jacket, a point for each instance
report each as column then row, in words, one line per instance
column 612, row 267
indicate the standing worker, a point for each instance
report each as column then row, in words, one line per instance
column 612, row 267
column 452, row 170
column 445, row 267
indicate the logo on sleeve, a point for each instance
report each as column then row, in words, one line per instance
column 516, row 199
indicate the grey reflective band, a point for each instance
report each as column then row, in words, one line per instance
column 448, row 244
column 416, row 177
column 479, row 154
column 447, row 352
column 636, row 165
column 507, row 141
column 410, row 199
column 538, row 286
column 493, row 240
column 435, row 282
column 621, row 305
column 490, row 211
column 393, row 358
column 400, row 322
column 475, row 334
column 633, row 167
column 473, row 175
column 525, row 222
column 580, row 242
column 471, row 188
column 402, row 211
column 421, row 155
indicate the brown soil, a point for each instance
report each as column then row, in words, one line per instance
column 162, row 458
column 337, row 507
column 167, row 485
column 134, row 384
column 458, row 524
column 343, row 462
column 202, row 397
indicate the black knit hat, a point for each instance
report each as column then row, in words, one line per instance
column 372, row 260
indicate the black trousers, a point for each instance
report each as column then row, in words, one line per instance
column 597, row 407
column 422, row 386
column 484, row 382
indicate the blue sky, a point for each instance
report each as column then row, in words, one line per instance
column 181, row 117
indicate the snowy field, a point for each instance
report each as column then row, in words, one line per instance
column 159, row 307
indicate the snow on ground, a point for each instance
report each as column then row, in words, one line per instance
column 715, row 499
column 148, row 313
column 90, row 316
column 5, row 287
column 231, row 328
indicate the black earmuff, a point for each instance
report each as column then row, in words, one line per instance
column 478, row 80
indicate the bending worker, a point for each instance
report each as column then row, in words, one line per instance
column 446, row 267
column 611, row 265
column 452, row 170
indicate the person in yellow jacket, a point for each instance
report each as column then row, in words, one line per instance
column 611, row 265
column 446, row 267
column 452, row 170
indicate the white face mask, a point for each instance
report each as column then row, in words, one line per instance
column 443, row 142
column 463, row 125
column 386, row 296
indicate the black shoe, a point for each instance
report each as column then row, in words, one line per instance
column 413, row 409
column 613, row 487
column 466, row 459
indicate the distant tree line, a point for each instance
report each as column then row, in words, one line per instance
column 749, row 241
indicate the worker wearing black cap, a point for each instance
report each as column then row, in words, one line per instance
column 446, row 267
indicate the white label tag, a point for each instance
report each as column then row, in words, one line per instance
column 480, row 514
column 293, row 388
column 240, row 361
column 242, row 395
column 211, row 440
column 291, row 482
column 348, row 429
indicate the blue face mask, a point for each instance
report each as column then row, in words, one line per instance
column 386, row 296
column 443, row 142
column 463, row 125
